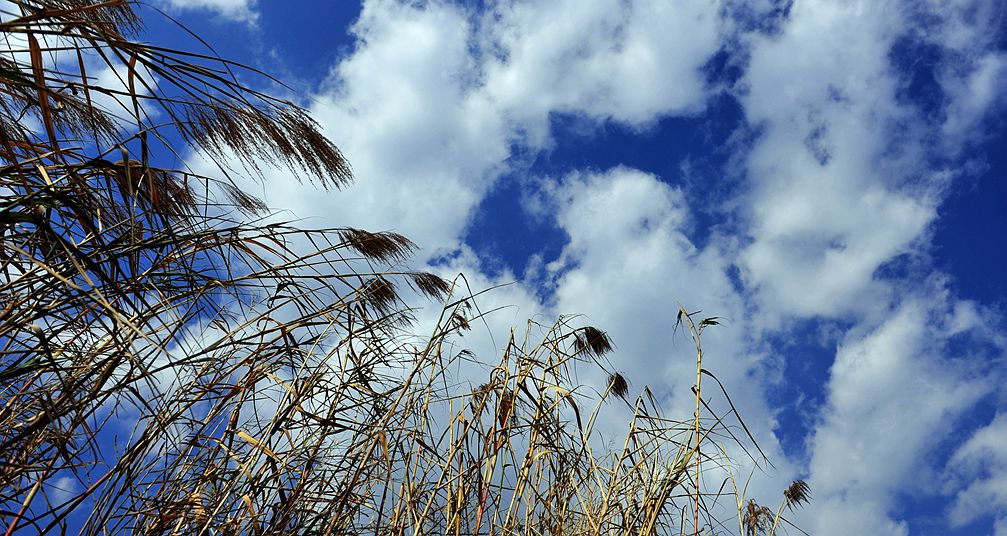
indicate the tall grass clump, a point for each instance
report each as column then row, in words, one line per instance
column 170, row 363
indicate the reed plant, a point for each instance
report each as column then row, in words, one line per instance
column 172, row 363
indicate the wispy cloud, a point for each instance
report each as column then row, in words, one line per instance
column 235, row 10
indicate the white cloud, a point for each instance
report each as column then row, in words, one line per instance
column 979, row 466
column 834, row 516
column 627, row 267
column 841, row 182
column 973, row 95
column 970, row 26
column 841, row 175
column 424, row 144
column 236, row 10
column 429, row 104
column 117, row 78
column 893, row 398
column 630, row 62
column 826, row 210
column 62, row 489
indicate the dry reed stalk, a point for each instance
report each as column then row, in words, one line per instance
column 187, row 370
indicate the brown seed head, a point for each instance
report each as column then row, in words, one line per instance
column 593, row 341
column 617, row 384
column 798, row 492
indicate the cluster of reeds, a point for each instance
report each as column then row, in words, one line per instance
column 170, row 365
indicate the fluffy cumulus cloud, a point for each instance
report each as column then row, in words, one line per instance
column 629, row 269
column 826, row 209
column 421, row 136
column 630, row 62
column 842, row 177
column 895, row 393
column 434, row 99
column 424, row 142
column 979, row 466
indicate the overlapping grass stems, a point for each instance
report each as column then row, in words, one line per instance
column 169, row 364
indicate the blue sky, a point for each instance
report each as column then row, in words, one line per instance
column 830, row 177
